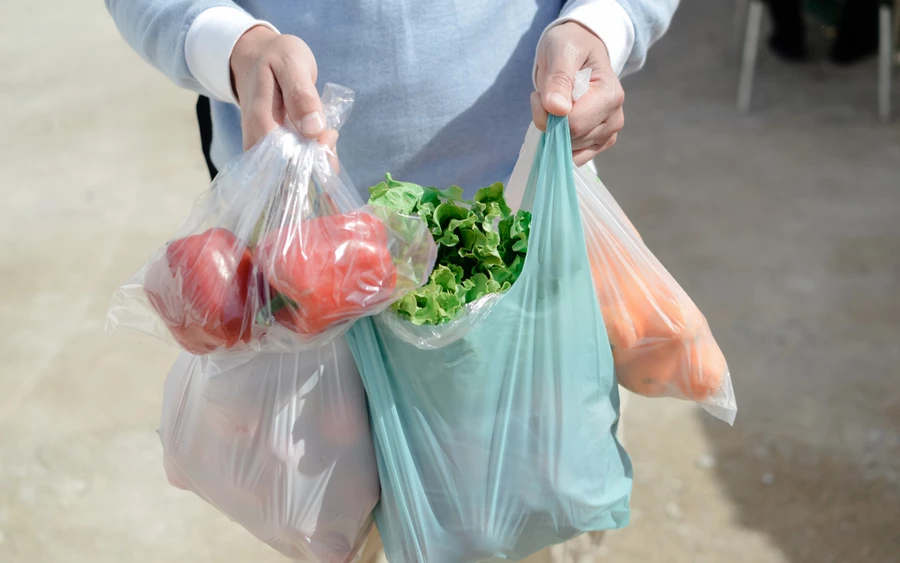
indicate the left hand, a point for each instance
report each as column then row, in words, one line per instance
column 597, row 117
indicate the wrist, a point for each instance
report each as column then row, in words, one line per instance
column 600, row 50
column 607, row 20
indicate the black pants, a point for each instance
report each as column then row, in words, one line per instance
column 204, row 120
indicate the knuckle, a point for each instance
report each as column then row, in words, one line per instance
column 579, row 128
column 617, row 96
column 299, row 96
column 561, row 78
column 611, row 142
column 274, row 60
column 288, row 44
column 617, row 122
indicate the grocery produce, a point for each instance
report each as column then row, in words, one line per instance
column 333, row 268
column 199, row 288
column 481, row 246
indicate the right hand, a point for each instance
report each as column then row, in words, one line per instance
column 275, row 81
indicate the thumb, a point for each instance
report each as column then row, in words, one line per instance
column 559, row 81
column 301, row 100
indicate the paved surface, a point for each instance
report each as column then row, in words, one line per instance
column 783, row 226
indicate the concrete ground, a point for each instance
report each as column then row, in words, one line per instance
column 784, row 227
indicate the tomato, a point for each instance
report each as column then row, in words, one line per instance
column 199, row 288
column 328, row 270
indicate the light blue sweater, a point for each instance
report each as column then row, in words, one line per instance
column 442, row 86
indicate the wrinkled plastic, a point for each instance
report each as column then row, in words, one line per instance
column 279, row 255
column 279, row 443
column 432, row 337
column 503, row 441
column 662, row 344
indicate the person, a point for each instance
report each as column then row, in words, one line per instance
column 442, row 87
column 855, row 40
column 441, row 90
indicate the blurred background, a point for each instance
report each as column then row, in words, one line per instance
column 783, row 224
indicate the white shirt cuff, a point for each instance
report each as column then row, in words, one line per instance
column 607, row 20
column 209, row 43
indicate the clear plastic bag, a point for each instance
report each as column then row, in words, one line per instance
column 662, row 344
column 501, row 441
column 279, row 255
column 280, row 443
column 433, row 337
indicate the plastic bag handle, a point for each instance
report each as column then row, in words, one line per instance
column 337, row 101
column 582, row 83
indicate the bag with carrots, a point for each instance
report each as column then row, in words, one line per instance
column 279, row 443
column 279, row 255
column 662, row 344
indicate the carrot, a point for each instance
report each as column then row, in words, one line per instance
column 661, row 342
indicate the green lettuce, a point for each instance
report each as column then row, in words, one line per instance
column 481, row 245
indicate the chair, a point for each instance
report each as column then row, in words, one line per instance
column 748, row 27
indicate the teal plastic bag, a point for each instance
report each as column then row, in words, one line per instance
column 501, row 440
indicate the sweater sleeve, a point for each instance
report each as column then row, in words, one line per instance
column 608, row 21
column 159, row 30
column 651, row 19
column 627, row 27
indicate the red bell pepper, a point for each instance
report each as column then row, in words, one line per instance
column 327, row 270
column 199, row 288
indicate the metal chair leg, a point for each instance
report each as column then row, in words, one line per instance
column 739, row 24
column 885, row 62
column 748, row 60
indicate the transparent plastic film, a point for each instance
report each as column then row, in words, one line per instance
column 498, row 440
column 661, row 342
column 279, row 255
column 280, row 443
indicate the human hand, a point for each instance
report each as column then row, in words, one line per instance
column 275, row 81
column 597, row 117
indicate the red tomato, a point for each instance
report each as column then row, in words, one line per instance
column 199, row 289
column 332, row 268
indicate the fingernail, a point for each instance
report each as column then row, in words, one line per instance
column 312, row 123
column 561, row 101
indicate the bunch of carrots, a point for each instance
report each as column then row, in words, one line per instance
column 661, row 342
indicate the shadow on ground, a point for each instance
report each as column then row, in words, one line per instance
column 784, row 226
column 817, row 506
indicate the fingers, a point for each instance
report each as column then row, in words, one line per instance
column 585, row 155
column 597, row 117
column 556, row 79
column 329, row 139
column 295, row 71
column 600, row 134
column 258, row 116
column 584, row 115
column 538, row 113
column 603, row 100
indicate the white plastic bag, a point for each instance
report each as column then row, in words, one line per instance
column 280, row 443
